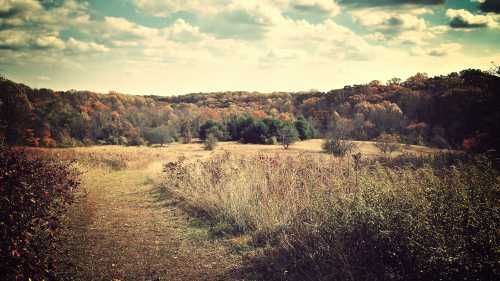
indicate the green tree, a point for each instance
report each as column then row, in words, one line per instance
column 213, row 127
column 256, row 132
column 159, row 135
column 186, row 132
column 304, row 128
column 288, row 135
column 210, row 142
column 15, row 114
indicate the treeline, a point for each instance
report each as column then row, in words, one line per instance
column 459, row 110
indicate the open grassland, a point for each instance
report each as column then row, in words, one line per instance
column 259, row 212
column 122, row 157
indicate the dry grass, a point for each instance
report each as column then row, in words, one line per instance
column 125, row 227
column 121, row 157
column 331, row 221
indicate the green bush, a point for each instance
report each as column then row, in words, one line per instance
column 338, row 147
column 304, row 128
column 210, row 142
column 288, row 135
column 159, row 135
column 211, row 127
column 34, row 193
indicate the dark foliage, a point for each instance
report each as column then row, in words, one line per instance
column 338, row 147
column 34, row 194
column 216, row 128
column 459, row 110
column 304, row 128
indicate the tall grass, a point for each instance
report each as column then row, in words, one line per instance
column 324, row 220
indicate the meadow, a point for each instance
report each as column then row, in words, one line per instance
column 260, row 212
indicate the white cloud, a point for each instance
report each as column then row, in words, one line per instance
column 49, row 41
column 161, row 8
column 464, row 19
column 444, row 49
column 116, row 26
column 329, row 7
column 75, row 44
column 183, row 31
column 389, row 21
column 14, row 38
column 441, row 50
column 43, row 78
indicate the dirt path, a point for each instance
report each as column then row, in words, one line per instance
column 125, row 229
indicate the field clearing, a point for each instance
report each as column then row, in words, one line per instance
column 126, row 227
column 119, row 157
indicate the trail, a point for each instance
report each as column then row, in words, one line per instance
column 125, row 229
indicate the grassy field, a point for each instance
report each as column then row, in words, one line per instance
column 259, row 212
column 119, row 157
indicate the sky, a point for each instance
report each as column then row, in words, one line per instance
column 171, row 47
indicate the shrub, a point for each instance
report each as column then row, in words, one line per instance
column 388, row 144
column 159, row 135
column 137, row 141
column 272, row 140
column 288, row 135
column 211, row 127
column 34, row 195
column 210, row 142
column 338, row 147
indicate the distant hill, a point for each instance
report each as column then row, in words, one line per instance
column 457, row 110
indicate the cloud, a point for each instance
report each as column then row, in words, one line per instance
column 16, row 13
column 464, row 19
column 74, row 44
column 243, row 19
column 322, row 42
column 182, row 31
column 161, row 8
column 490, row 6
column 444, row 49
column 376, row 3
column 121, row 27
column 20, row 39
column 14, row 39
column 31, row 24
column 321, row 7
column 278, row 58
column 19, row 13
column 388, row 21
column 50, row 41
column 43, row 78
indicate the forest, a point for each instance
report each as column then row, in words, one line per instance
column 458, row 110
